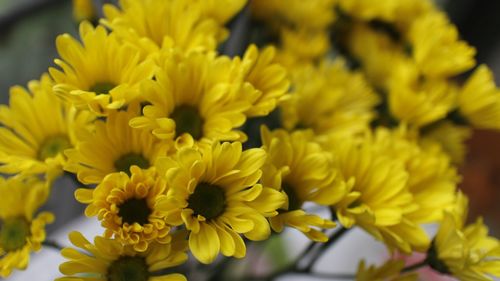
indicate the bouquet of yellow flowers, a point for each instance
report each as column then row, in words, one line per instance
column 196, row 128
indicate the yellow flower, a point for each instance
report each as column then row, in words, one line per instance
column 109, row 260
column 479, row 100
column 20, row 230
column 389, row 271
column 37, row 128
column 302, row 46
column 300, row 168
column 114, row 147
column 329, row 99
column 466, row 252
column 103, row 74
column 450, row 137
column 191, row 100
column 213, row 192
column 154, row 24
column 436, row 48
column 84, row 10
column 126, row 207
column 267, row 80
column 419, row 101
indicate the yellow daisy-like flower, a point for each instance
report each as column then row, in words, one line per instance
column 114, row 147
column 191, row 100
column 213, row 192
column 378, row 194
column 20, row 230
column 154, row 24
column 102, row 73
column 267, row 80
column 389, row 271
column 436, row 48
column 126, row 207
column 36, row 128
column 331, row 100
column 299, row 167
column 84, row 10
column 110, row 260
column 466, row 252
column 450, row 137
column 302, row 46
column 479, row 100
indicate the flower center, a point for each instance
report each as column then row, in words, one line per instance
column 128, row 269
column 13, row 233
column 124, row 163
column 102, row 87
column 207, row 200
column 52, row 146
column 187, row 120
column 434, row 262
column 134, row 210
column 294, row 202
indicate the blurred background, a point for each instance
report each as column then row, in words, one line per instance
column 28, row 29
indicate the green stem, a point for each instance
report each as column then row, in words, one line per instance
column 52, row 244
column 336, row 236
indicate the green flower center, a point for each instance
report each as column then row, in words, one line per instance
column 294, row 202
column 124, row 163
column 128, row 269
column 207, row 200
column 187, row 120
column 134, row 210
column 52, row 146
column 434, row 262
column 14, row 233
column 102, row 87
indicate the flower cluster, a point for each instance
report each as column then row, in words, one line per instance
column 368, row 121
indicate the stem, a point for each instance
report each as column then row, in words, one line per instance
column 324, row 275
column 52, row 244
column 336, row 236
column 415, row 266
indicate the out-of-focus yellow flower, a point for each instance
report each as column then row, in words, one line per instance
column 37, row 128
column 20, row 230
column 466, row 252
column 389, row 271
column 436, row 48
column 103, row 74
column 191, row 100
column 114, row 147
column 479, row 100
column 329, row 99
column 302, row 46
column 450, row 137
column 300, row 168
column 221, row 10
column 126, row 207
column 84, row 10
column 110, row 260
column 213, row 192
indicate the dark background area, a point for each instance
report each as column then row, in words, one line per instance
column 28, row 29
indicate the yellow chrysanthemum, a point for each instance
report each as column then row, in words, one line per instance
column 37, row 128
column 267, row 80
column 84, row 10
column 436, row 48
column 102, row 73
column 126, row 207
column 114, row 147
column 302, row 46
column 191, row 100
column 466, row 252
column 330, row 100
column 378, row 195
column 479, row 100
column 389, row 271
column 300, row 168
column 418, row 101
column 154, row 24
column 450, row 137
column 213, row 192
column 20, row 230
column 110, row 260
